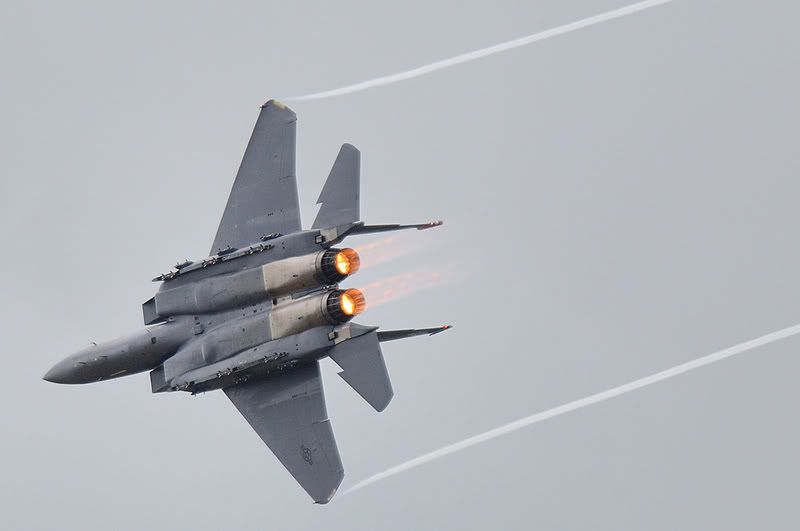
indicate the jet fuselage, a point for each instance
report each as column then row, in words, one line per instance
column 238, row 300
column 254, row 318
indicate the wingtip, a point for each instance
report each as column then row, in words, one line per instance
column 279, row 104
column 323, row 500
column 441, row 329
column 347, row 146
column 431, row 224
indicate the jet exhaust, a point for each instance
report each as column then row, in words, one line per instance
column 338, row 264
column 399, row 286
column 391, row 248
column 344, row 305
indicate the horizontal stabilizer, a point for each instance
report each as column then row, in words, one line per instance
column 335, row 234
column 365, row 369
column 370, row 229
column 391, row 335
column 340, row 194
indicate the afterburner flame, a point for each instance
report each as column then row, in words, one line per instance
column 347, row 261
column 392, row 248
column 352, row 302
column 411, row 282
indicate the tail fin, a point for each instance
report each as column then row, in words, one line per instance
column 365, row 369
column 340, row 213
column 340, row 195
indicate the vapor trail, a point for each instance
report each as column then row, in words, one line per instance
column 484, row 52
column 581, row 403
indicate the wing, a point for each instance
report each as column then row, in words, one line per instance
column 288, row 413
column 340, row 194
column 264, row 195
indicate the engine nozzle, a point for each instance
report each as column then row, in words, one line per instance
column 343, row 305
column 338, row 264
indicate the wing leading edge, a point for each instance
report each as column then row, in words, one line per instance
column 263, row 199
column 289, row 414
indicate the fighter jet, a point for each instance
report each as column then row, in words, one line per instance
column 255, row 318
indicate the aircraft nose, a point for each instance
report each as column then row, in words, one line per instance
column 62, row 372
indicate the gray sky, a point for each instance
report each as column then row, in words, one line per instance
column 617, row 201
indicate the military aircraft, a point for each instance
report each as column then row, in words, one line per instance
column 255, row 317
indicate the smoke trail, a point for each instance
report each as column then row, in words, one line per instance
column 484, row 52
column 581, row 403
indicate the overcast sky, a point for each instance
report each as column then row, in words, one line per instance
column 617, row 201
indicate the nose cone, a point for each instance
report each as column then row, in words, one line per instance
column 63, row 372
column 81, row 367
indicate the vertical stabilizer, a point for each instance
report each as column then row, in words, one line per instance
column 340, row 195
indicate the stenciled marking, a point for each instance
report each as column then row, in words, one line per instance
column 307, row 455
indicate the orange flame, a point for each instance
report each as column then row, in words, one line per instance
column 347, row 261
column 352, row 302
column 390, row 248
column 402, row 285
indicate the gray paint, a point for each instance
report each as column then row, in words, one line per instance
column 264, row 195
column 365, row 369
column 292, row 313
column 340, row 196
column 287, row 413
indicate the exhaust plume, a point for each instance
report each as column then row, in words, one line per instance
column 399, row 286
column 483, row 52
column 391, row 248
column 578, row 404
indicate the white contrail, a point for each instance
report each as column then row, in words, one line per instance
column 581, row 403
column 484, row 52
